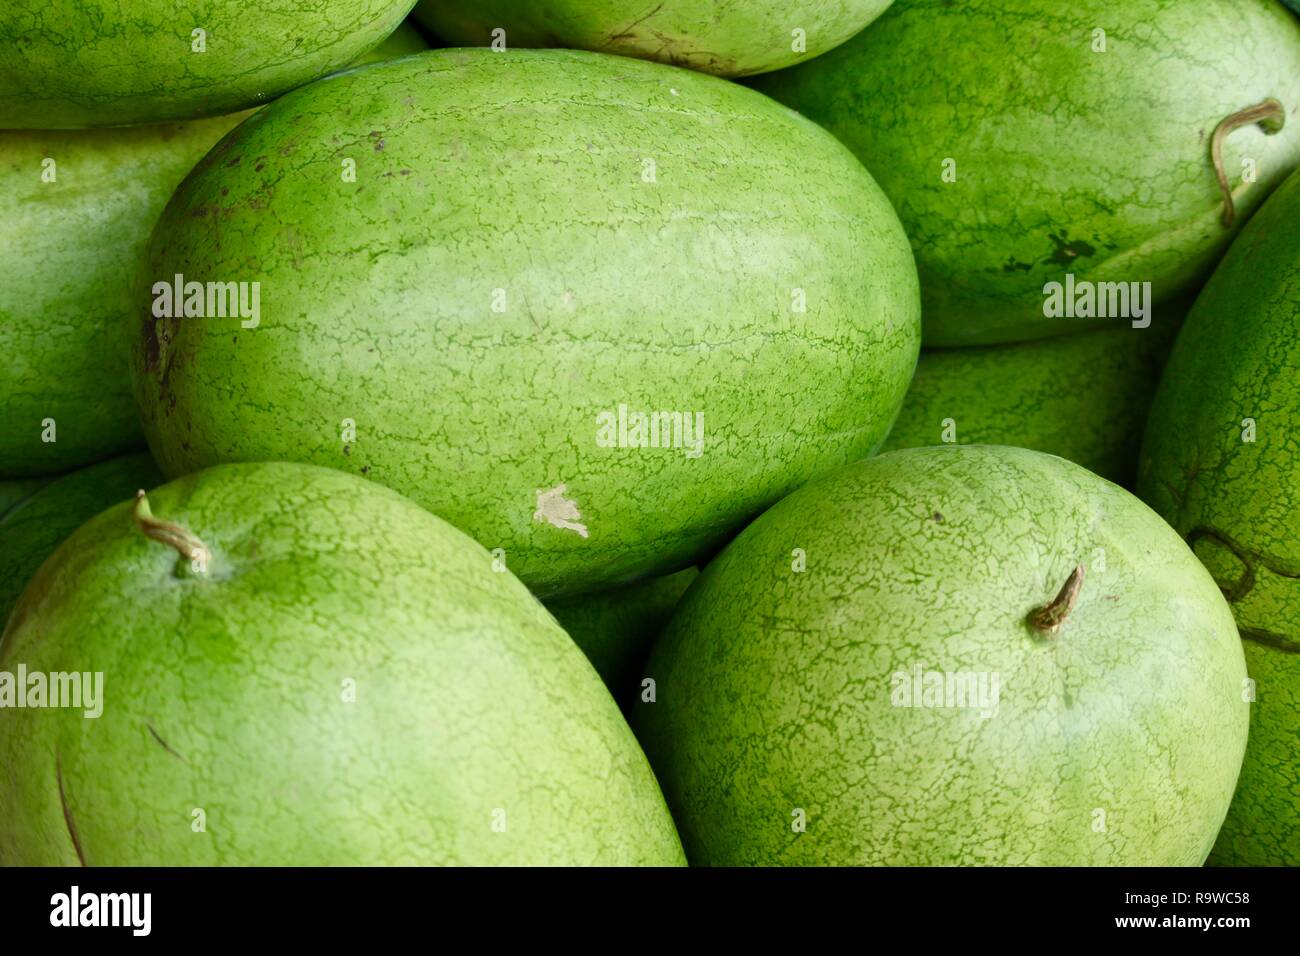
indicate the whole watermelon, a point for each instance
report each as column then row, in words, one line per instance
column 325, row 674
column 598, row 332
column 80, row 205
column 76, row 63
column 729, row 39
column 1083, row 397
column 903, row 664
column 1026, row 141
column 1222, row 465
column 31, row 529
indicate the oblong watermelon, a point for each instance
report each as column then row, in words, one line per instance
column 325, row 675
column 729, row 39
column 595, row 311
column 1027, row 141
column 75, row 63
column 1222, row 465
column 889, row 668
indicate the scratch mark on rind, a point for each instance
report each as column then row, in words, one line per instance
column 165, row 746
column 67, row 810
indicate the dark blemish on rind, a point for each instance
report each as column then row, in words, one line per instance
column 165, row 746
column 937, row 517
column 1066, row 252
column 1011, row 265
column 150, row 335
column 347, row 449
column 67, row 810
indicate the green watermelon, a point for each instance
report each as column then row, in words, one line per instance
column 598, row 334
column 31, row 529
column 1221, row 464
column 729, row 39
column 972, row 655
column 614, row 628
column 77, row 63
column 1083, row 397
column 14, row 491
column 1024, row 142
column 79, row 205
column 325, row 675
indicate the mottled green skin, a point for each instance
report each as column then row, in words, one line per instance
column 377, row 301
column 34, row 527
column 78, row 63
column 227, row 693
column 726, row 37
column 1238, row 502
column 1116, row 742
column 615, row 628
column 1083, row 397
column 67, row 291
column 1067, row 161
column 68, row 286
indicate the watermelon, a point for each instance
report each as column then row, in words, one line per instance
column 14, row 491
column 598, row 335
column 1083, row 397
column 1030, row 142
column 966, row 655
column 325, row 674
column 615, row 628
column 80, row 205
column 78, row 63
column 729, row 39
column 1221, row 464
column 30, row 530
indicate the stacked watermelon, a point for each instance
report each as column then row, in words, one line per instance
column 786, row 352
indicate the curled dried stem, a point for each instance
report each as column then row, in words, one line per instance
column 1271, row 117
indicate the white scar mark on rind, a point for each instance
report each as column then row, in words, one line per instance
column 560, row 511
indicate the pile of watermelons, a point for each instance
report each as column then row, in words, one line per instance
column 897, row 404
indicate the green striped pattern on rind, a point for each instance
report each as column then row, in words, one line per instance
column 729, row 38
column 1083, row 397
column 92, row 63
column 1238, row 500
column 351, row 684
column 1115, row 742
column 533, row 239
column 1067, row 160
